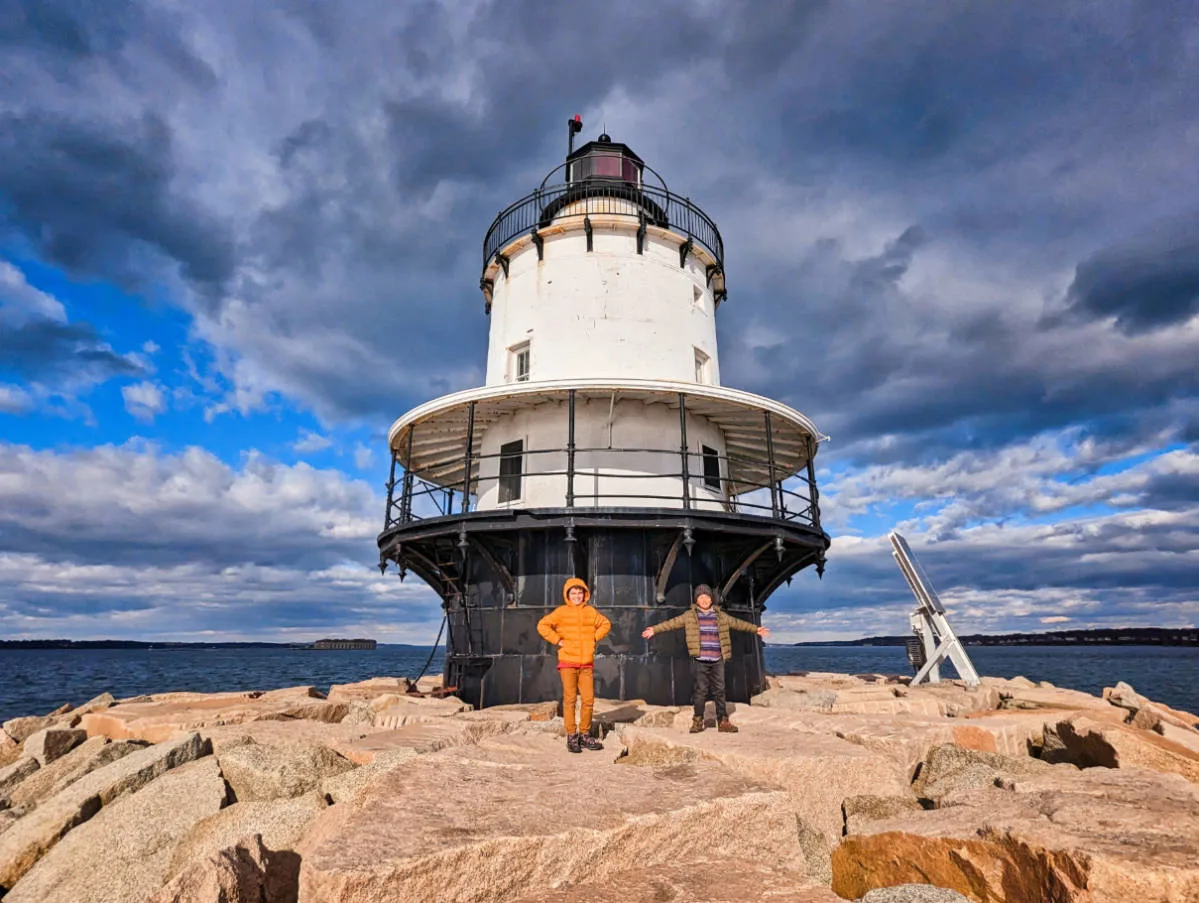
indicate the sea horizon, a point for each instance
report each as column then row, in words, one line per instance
column 41, row 680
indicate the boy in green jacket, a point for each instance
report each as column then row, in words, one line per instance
column 707, row 629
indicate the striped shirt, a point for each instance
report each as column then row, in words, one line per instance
column 709, row 636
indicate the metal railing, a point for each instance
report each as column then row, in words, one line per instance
column 647, row 204
column 776, row 497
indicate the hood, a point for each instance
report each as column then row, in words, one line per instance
column 572, row 582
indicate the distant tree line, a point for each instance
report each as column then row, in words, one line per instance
column 1106, row 636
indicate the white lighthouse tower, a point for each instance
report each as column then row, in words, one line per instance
column 602, row 446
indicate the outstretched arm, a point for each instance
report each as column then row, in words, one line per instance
column 738, row 624
column 671, row 624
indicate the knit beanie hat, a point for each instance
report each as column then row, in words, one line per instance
column 704, row 590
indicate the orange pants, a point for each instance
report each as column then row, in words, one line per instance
column 577, row 683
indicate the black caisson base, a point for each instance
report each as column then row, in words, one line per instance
column 499, row 572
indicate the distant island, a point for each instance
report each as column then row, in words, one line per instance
column 344, row 644
column 1117, row 636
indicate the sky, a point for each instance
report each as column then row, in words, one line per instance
column 237, row 240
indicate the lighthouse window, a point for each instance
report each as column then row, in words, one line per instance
column 701, row 366
column 511, row 459
column 711, row 467
column 518, row 369
column 605, row 165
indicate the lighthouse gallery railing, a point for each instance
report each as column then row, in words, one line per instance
column 703, row 479
column 654, row 206
column 419, row 499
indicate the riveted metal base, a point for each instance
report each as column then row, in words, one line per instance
column 499, row 572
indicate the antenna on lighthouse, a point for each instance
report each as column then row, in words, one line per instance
column 574, row 126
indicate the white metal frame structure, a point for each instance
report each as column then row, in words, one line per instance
column 937, row 638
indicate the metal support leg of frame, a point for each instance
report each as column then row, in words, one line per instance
column 467, row 457
column 774, row 495
column 391, row 487
column 813, row 492
column 683, row 450
column 406, row 504
column 570, row 452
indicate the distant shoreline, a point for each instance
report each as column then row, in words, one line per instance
column 1126, row 636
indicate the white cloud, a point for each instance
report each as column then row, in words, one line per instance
column 362, row 456
column 14, row 399
column 20, row 302
column 182, row 544
column 144, row 400
column 310, row 442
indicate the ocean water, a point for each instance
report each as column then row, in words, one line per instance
column 33, row 682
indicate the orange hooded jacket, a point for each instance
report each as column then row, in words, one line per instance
column 576, row 627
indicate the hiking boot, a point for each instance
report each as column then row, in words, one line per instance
column 697, row 724
column 589, row 742
column 572, row 743
column 726, row 726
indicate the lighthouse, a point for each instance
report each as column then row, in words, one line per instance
column 602, row 445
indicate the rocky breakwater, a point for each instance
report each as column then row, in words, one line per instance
column 836, row 788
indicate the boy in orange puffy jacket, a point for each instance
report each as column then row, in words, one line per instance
column 574, row 628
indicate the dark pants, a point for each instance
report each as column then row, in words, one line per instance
column 709, row 681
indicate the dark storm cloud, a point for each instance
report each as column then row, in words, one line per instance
column 66, row 27
column 387, row 140
column 1149, row 283
column 930, row 108
column 87, row 194
column 866, row 358
column 45, row 351
column 70, row 32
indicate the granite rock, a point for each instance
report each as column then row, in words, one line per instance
column 49, row 744
column 351, row 786
column 261, row 772
column 1092, row 836
column 1087, row 743
column 421, row 737
column 799, row 700
column 279, row 824
column 34, row 835
column 245, row 872
column 818, row 770
column 121, row 855
column 20, row 729
column 859, row 811
column 913, row 893
column 698, row 881
column 366, row 690
column 950, row 770
column 484, row 823
column 1124, row 696
column 10, row 749
column 160, row 717
column 12, row 775
column 83, row 759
